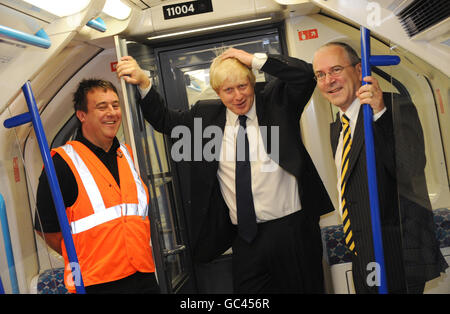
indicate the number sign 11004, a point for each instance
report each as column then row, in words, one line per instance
column 187, row 8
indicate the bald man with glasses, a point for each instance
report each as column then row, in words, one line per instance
column 337, row 70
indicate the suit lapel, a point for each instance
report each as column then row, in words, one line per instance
column 357, row 140
column 221, row 118
column 218, row 119
column 263, row 121
column 357, row 143
column 335, row 130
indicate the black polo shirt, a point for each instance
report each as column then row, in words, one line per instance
column 68, row 184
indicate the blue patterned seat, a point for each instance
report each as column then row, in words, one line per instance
column 337, row 252
column 442, row 221
column 51, row 281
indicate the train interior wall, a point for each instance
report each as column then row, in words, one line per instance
column 21, row 164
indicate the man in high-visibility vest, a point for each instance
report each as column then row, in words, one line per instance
column 106, row 201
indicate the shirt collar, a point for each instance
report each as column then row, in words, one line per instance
column 251, row 114
column 352, row 110
column 98, row 150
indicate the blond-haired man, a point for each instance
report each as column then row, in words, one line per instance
column 266, row 207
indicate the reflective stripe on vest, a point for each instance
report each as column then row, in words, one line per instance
column 102, row 214
column 142, row 195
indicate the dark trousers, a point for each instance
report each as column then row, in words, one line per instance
column 137, row 283
column 285, row 257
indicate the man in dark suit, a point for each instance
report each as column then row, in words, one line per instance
column 411, row 252
column 267, row 207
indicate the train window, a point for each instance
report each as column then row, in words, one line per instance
column 197, row 85
column 418, row 91
column 188, row 72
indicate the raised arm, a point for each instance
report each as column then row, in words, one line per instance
column 294, row 83
column 152, row 104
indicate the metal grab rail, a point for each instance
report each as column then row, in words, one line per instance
column 33, row 116
column 366, row 61
column 40, row 39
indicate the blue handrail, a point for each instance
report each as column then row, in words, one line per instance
column 17, row 120
column 2, row 291
column 366, row 61
column 97, row 24
column 8, row 246
column 53, row 181
column 40, row 39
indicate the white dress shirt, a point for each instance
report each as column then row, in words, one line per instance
column 352, row 113
column 275, row 191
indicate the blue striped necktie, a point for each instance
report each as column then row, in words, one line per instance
column 347, row 143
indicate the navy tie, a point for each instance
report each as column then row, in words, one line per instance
column 244, row 198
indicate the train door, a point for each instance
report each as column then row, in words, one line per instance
column 181, row 75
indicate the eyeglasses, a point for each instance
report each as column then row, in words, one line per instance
column 334, row 72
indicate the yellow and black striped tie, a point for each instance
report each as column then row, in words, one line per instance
column 347, row 143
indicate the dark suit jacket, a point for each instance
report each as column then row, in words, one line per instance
column 400, row 245
column 278, row 103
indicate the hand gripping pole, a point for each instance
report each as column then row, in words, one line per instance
column 366, row 62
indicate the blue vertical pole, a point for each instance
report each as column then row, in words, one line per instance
column 2, row 291
column 8, row 247
column 34, row 117
column 366, row 61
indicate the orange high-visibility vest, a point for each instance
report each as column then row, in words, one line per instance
column 109, row 224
